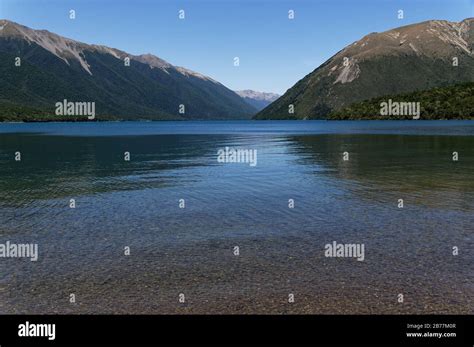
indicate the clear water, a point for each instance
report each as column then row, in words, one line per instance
column 136, row 204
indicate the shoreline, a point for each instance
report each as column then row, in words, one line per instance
column 232, row 120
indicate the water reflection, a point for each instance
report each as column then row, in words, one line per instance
column 380, row 167
column 57, row 166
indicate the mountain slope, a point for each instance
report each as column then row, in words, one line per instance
column 259, row 100
column 452, row 102
column 402, row 60
column 54, row 68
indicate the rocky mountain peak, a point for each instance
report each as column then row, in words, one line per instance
column 67, row 49
column 404, row 59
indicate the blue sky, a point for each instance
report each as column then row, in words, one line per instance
column 274, row 52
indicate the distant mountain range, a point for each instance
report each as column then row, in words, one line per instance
column 53, row 68
column 432, row 61
column 259, row 100
column 419, row 57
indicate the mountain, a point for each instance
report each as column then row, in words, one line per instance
column 54, row 68
column 259, row 100
column 452, row 102
column 407, row 59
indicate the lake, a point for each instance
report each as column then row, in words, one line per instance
column 175, row 230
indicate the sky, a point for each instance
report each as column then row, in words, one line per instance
column 274, row 51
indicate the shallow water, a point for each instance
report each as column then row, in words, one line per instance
column 191, row 250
